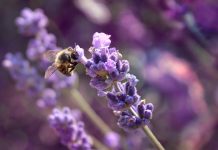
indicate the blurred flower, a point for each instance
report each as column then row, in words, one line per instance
column 48, row 98
column 31, row 22
column 176, row 80
column 198, row 133
column 133, row 28
column 96, row 11
column 70, row 130
column 205, row 13
column 112, row 140
column 26, row 77
column 172, row 10
column 38, row 45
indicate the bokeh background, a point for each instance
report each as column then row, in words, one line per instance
column 171, row 46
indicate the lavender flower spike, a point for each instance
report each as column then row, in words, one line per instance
column 31, row 22
column 110, row 76
column 70, row 130
column 38, row 45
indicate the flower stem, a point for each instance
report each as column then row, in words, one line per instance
column 149, row 133
column 85, row 107
column 98, row 144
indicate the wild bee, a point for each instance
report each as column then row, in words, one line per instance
column 63, row 61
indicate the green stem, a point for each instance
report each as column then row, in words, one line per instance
column 149, row 133
column 85, row 107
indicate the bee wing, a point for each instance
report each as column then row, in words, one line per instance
column 50, row 55
column 50, row 70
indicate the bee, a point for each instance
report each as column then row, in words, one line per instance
column 63, row 61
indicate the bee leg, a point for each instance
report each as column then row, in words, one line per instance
column 71, row 67
column 73, row 63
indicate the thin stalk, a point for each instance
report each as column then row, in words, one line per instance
column 85, row 107
column 149, row 133
column 98, row 144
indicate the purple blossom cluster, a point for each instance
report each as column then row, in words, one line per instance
column 129, row 121
column 23, row 73
column 109, row 75
column 70, row 130
column 37, row 46
column 31, row 22
column 29, row 80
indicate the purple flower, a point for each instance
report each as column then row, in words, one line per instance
column 48, row 98
column 99, row 82
column 101, row 40
column 26, row 77
column 29, row 80
column 70, row 130
column 128, row 121
column 106, row 65
column 124, row 98
column 31, row 22
column 38, row 45
column 112, row 139
column 135, row 29
column 109, row 75
column 145, row 110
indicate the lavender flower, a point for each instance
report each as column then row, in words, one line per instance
column 105, row 65
column 101, row 40
column 70, row 130
column 112, row 139
column 109, row 75
column 38, row 45
column 26, row 76
column 29, row 80
column 48, row 98
column 127, row 121
column 31, row 22
column 125, row 97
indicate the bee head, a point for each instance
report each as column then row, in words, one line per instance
column 74, row 55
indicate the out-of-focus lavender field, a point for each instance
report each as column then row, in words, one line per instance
column 171, row 47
